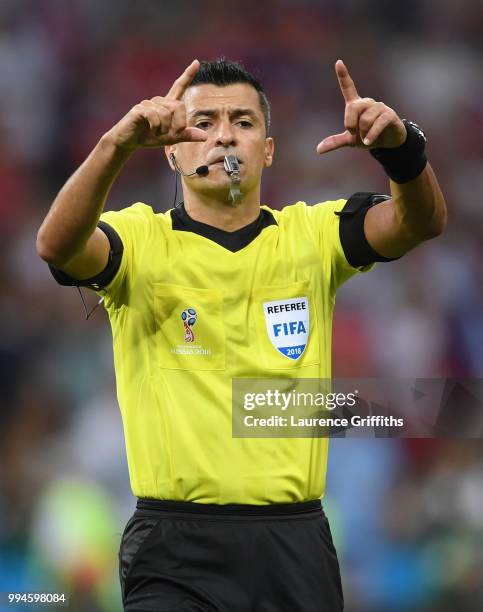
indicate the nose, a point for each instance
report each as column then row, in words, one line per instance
column 225, row 135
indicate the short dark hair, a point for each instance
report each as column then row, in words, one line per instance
column 223, row 72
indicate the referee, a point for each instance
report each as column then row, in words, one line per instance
column 228, row 524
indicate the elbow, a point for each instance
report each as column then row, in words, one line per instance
column 438, row 223
column 46, row 252
column 414, row 235
column 430, row 231
column 42, row 248
column 439, row 218
column 438, row 229
column 430, row 228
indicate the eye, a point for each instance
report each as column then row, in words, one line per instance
column 202, row 123
column 246, row 123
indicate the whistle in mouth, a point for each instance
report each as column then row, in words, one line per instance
column 232, row 167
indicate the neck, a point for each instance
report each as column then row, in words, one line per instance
column 219, row 212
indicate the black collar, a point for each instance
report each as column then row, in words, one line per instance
column 233, row 241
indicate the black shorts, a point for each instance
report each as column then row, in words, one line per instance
column 191, row 557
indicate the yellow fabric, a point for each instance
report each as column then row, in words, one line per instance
column 175, row 396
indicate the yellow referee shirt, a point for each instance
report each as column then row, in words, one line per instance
column 187, row 315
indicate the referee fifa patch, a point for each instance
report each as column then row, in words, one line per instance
column 288, row 325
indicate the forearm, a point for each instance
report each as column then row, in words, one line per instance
column 75, row 211
column 419, row 206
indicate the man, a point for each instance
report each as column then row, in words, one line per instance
column 223, row 523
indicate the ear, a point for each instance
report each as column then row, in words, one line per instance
column 169, row 150
column 269, row 150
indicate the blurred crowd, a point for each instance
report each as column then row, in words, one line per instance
column 406, row 515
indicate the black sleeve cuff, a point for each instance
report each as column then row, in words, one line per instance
column 103, row 278
column 357, row 249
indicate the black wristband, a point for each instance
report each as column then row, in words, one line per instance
column 406, row 162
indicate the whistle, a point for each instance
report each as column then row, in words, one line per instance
column 232, row 167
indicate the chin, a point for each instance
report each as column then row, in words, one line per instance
column 219, row 188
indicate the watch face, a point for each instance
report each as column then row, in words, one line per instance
column 417, row 129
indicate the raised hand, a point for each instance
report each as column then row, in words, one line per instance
column 368, row 124
column 159, row 121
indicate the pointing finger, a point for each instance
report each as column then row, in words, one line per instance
column 180, row 85
column 346, row 84
column 178, row 122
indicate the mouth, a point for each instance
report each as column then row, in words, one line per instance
column 221, row 159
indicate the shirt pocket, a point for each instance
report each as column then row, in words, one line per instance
column 286, row 326
column 190, row 334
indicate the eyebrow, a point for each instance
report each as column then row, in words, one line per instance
column 237, row 112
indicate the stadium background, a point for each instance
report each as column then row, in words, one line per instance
column 406, row 515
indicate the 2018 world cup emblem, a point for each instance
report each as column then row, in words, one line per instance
column 189, row 316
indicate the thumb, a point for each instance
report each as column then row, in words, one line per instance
column 337, row 141
column 192, row 134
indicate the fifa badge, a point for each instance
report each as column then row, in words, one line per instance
column 288, row 325
column 189, row 316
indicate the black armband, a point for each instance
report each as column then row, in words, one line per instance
column 355, row 245
column 105, row 276
column 406, row 162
